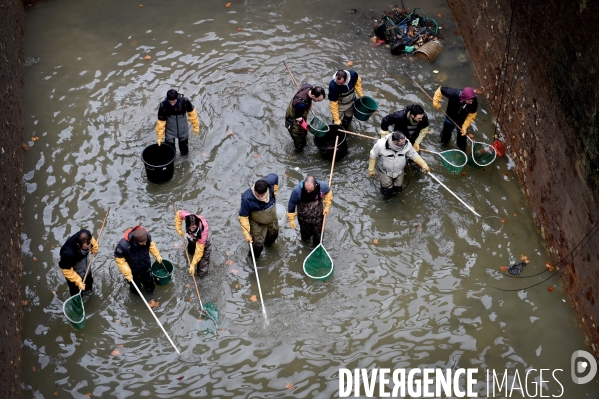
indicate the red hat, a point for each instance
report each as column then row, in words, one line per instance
column 467, row 94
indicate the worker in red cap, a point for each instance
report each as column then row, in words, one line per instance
column 132, row 256
column 461, row 109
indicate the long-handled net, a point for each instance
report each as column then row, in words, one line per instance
column 73, row 307
column 452, row 160
column 482, row 154
column 209, row 309
column 319, row 264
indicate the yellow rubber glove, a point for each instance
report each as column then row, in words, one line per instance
column 154, row 251
column 420, row 137
column 416, row 146
column 437, row 98
column 73, row 277
column 384, row 133
column 197, row 255
column 291, row 217
column 327, row 201
column 334, row 107
column 359, row 87
column 275, row 189
column 195, row 122
column 124, row 268
column 95, row 247
column 468, row 122
column 179, row 224
column 418, row 159
column 192, row 269
column 244, row 221
column 160, row 128
column 371, row 165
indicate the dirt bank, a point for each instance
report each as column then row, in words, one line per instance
column 12, row 23
column 537, row 77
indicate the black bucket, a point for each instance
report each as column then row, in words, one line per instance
column 326, row 143
column 159, row 162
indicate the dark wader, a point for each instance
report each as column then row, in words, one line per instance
column 346, row 107
column 264, row 229
column 79, row 268
column 298, row 134
column 448, row 128
column 202, row 266
column 177, row 128
column 310, row 218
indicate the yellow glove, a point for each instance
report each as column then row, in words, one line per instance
column 326, row 211
column 179, row 224
column 192, row 269
column 418, row 159
column 334, row 107
column 327, row 201
column 244, row 221
column 416, row 146
column 197, row 255
column 384, row 133
column 437, row 98
column 154, row 251
column 195, row 122
column 160, row 128
column 468, row 122
column 124, row 268
column 73, row 277
column 275, row 189
column 95, row 246
column 291, row 217
column 359, row 87
column 371, row 164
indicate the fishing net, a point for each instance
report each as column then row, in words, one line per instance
column 74, row 311
column 482, row 155
column 318, row 265
column 211, row 311
column 454, row 160
column 318, row 127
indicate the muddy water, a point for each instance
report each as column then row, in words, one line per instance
column 423, row 296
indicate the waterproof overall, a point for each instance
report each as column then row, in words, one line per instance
column 80, row 268
column 264, row 228
column 458, row 111
column 310, row 218
column 192, row 239
column 346, row 107
column 177, row 126
column 138, row 259
column 298, row 107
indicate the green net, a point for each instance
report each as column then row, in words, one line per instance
column 318, row 127
column 74, row 311
column 454, row 160
column 482, row 155
column 211, row 311
column 318, row 265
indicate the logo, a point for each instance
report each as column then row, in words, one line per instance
column 579, row 367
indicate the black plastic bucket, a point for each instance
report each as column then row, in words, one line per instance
column 159, row 162
column 326, row 143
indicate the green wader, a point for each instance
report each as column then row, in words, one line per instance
column 264, row 229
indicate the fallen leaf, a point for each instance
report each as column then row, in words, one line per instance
column 256, row 155
column 349, row 63
column 515, row 214
column 288, row 385
column 117, row 321
column 523, row 257
column 33, row 368
column 239, row 29
column 471, row 136
column 56, row 393
column 25, row 147
column 222, row 330
column 463, row 174
column 35, row 138
column 230, row 133
column 237, row 285
column 234, row 271
column 506, row 174
column 253, row 298
column 416, row 226
column 375, row 241
column 435, row 71
column 115, row 352
column 550, row 289
column 229, row 262
column 373, row 39
column 228, row 5
column 503, row 269
column 187, row 285
column 25, row 302
column 439, row 15
column 35, row 259
column 85, row 193
column 549, row 266
column 89, row 394
column 147, row 57
column 526, row 261
column 53, row 291
column 204, row 154
column 154, row 304
column 180, row 378
column 189, row 299
column 141, row 5
column 479, row 90
column 52, row 246
column 502, row 220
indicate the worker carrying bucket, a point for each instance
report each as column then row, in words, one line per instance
column 312, row 198
column 345, row 87
column 296, row 117
column 132, row 256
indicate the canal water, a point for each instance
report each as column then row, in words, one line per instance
column 417, row 280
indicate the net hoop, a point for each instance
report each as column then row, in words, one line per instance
column 64, row 309
column 319, row 277
column 478, row 148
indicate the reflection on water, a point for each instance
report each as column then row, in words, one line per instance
column 419, row 297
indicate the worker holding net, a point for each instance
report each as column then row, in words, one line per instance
column 310, row 201
column 198, row 242
column 74, row 258
column 461, row 110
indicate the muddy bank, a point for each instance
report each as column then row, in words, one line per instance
column 536, row 77
column 12, row 22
